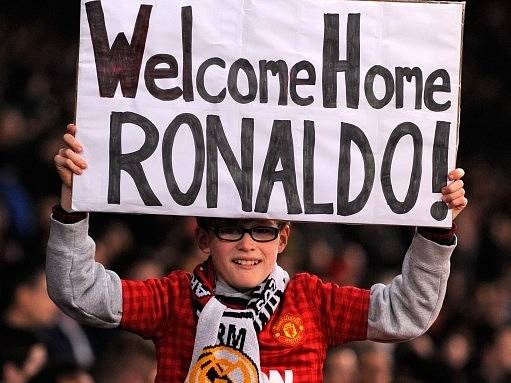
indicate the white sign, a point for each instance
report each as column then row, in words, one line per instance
column 308, row 110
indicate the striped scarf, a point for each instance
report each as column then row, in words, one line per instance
column 226, row 346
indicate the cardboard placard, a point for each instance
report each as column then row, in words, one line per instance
column 332, row 111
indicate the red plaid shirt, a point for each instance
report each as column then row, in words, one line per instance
column 311, row 317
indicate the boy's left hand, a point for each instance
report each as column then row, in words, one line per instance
column 454, row 193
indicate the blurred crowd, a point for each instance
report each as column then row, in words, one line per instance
column 469, row 342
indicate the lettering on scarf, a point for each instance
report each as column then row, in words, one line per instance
column 198, row 288
column 234, row 338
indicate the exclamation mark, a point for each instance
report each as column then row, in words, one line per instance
column 440, row 155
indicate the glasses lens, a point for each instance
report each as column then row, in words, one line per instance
column 264, row 233
column 229, row 233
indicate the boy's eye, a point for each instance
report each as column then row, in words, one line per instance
column 264, row 233
column 263, row 230
column 258, row 233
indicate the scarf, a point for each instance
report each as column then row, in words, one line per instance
column 226, row 345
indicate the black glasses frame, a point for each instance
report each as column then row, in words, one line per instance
column 242, row 231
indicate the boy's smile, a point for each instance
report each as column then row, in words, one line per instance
column 245, row 263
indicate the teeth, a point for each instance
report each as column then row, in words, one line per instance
column 244, row 262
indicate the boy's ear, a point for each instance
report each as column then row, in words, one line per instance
column 202, row 238
column 284, row 234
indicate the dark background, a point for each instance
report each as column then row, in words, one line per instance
column 38, row 53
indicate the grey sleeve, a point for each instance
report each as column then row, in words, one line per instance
column 81, row 287
column 408, row 306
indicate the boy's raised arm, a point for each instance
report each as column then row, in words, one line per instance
column 408, row 306
column 81, row 287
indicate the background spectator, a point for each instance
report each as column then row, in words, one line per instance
column 22, row 355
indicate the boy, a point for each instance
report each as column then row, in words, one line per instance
column 239, row 317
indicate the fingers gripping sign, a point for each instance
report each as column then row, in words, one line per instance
column 69, row 161
column 454, row 193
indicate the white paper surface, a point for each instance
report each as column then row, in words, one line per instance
column 426, row 36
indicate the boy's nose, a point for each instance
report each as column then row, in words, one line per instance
column 246, row 242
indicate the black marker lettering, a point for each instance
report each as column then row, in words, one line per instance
column 280, row 148
column 152, row 72
column 122, row 62
column 295, row 81
column 130, row 162
column 401, row 74
column 351, row 133
column 369, row 86
column 188, row 197
column 308, row 174
column 439, row 209
column 201, row 88
column 232, row 81
column 430, row 89
column 332, row 64
column 275, row 67
column 186, row 39
column 399, row 132
column 216, row 141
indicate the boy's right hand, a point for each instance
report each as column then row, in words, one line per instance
column 68, row 161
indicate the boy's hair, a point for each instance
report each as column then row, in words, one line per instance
column 206, row 223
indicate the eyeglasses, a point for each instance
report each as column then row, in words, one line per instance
column 235, row 233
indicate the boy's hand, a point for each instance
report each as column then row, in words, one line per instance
column 68, row 161
column 454, row 193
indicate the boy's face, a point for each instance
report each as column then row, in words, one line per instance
column 244, row 263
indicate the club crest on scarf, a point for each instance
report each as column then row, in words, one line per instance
column 223, row 364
